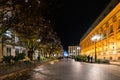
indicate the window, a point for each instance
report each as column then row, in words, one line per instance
column 118, row 58
column 104, row 34
column 17, row 51
column 107, row 24
column 119, row 26
column 114, row 19
column 104, row 58
column 101, row 29
column 113, row 46
column 111, row 29
column 110, row 58
column 8, row 49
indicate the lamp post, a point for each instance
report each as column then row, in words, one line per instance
column 39, row 40
column 95, row 38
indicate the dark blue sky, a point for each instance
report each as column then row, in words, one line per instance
column 74, row 17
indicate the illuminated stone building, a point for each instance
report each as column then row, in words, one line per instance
column 73, row 50
column 107, row 26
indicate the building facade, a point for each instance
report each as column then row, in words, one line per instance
column 107, row 26
column 73, row 50
column 8, row 45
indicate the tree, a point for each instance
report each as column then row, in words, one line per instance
column 6, row 16
column 15, row 12
column 28, row 21
column 29, row 37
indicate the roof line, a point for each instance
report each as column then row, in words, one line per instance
column 103, row 14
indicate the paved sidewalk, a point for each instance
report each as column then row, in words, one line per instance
column 115, row 63
column 10, row 72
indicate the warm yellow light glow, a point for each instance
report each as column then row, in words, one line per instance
column 95, row 38
column 107, row 42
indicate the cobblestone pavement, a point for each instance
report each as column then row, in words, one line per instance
column 72, row 70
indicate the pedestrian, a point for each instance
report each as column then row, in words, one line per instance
column 88, row 57
column 91, row 58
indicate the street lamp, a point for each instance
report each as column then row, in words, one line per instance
column 95, row 38
column 39, row 40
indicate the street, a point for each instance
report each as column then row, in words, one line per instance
column 68, row 69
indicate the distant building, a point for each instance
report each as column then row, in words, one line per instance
column 73, row 50
column 106, row 28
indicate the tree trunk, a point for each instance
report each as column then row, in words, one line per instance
column 30, row 54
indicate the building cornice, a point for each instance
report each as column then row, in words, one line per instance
column 105, row 12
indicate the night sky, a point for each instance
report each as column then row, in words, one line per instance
column 73, row 18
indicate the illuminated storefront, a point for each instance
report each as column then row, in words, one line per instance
column 107, row 26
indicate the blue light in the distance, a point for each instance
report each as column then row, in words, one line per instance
column 65, row 53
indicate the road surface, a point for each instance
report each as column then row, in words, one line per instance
column 68, row 69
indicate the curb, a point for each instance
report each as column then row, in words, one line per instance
column 16, row 74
